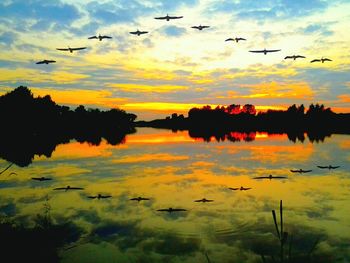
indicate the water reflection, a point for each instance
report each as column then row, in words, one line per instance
column 173, row 170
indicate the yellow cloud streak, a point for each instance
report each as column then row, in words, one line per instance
column 159, row 157
column 131, row 87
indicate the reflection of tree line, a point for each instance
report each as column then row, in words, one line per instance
column 225, row 123
column 36, row 125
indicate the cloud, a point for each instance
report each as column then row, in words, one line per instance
column 173, row 31
column 157, row 157
column 8, row 38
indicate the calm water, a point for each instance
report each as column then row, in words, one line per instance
column 173, row 170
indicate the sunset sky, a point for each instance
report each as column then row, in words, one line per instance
column 175, row 67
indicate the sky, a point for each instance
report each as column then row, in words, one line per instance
column 175, row 67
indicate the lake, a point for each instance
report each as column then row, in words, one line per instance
column 173, row 170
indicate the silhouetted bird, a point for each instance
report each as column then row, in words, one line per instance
column 203, row 200
column 167, row 17
column 265, row 51
column 328, row 167
column 68, row 188
column 71, row 49
column 240, row 188
column 200, row 27
column 300, row 171
column 45, row 61
column 170, row 210
column 294, row 57
column 139, row 199
column 41, row 178
column 270, row 177
column 12, row 173
column 99, row 37
column 320, row 60
column 138, row 32
column 99, row 196
column 235, row 39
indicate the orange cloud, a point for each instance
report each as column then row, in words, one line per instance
column 131, row 87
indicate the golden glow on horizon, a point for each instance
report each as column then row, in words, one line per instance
column 132, row 87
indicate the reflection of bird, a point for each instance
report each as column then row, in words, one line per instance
column 270, row 177
column 328, row 167
column 99, row 196
column 139, row 199
column 138, row 32
column 265, row 51
column 294, row 57
column 320, row 60
column 204, row 200
column 300, row 171
column 68, row 188
column 71, row 49
column 45, row 61
column 170, row 209
column 235, row 39
column 240, row 188
column 200, row 27
column 41, row 178
column 12, row 173
column 167, row 17
column 99, row 37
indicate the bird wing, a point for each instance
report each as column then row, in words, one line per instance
column 334, row 167
column 40, row 62
column 233, row 188
column 164, row 209
column 196, row 27
column 106, row 37
column 205, row 26
column 78, row 48
column 273, row 50
column 288, row 57
column 315, row 60
column 199, row 200
column 246, row 188
column 105, row 196
column 241, row 38
column 256, row 51
column 143, row 198
column 175, row 17
column 76, row 188
column 134, row 32
column 327, row 59
column 261, row 177
column 36, row 178
column 60, row 188
column 295, row 171
column 92, row 197
column 229, row 39
column 306, row 171
column 322, row 167
column 63, row 49
column 93, row 37
column 160, row 17
column 298, row 56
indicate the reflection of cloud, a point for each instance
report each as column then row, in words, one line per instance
column 157, row 157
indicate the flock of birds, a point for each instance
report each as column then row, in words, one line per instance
column 200, row 28
column 170, row 209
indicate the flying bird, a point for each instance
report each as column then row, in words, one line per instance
column 204, row 200
column 200, row 27
column 235, row 39
column 320, row 60
column 300, row 171
column 294, row 57
column 99, row 37
column 45, row 61
column 68, row 188
column 138, row 32
column 328, row 167
column 167, row 17
column 138, row 199
column 41, row 178
column 270, row 177
column 170, row 209
column 71, row 49
column 99, row 196
column 240, row 188
column 265, row 51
